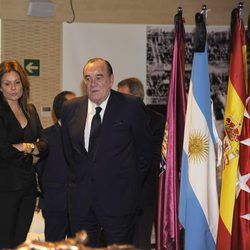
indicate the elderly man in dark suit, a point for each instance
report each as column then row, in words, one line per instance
column 107, row 140
column 147, row 210
column 53, row 177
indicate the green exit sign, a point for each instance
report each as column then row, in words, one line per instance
column 32, row 67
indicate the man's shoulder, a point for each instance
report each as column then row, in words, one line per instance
column 153, row 113
column 75, row 101
column 125, row 98
column 71, row 105
column 51, row 129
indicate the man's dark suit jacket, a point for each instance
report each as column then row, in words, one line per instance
column 53, row 172
column 148, row 201
column 123, row 155
column 150, row 186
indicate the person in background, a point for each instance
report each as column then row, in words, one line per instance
column 53, row 177
column 21, row 145
column 146, row 214
column 107, row 141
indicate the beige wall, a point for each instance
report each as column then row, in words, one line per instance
column 36, row 40
column 128, row 11
column 41, row 38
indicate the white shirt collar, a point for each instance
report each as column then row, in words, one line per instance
column 92, row 106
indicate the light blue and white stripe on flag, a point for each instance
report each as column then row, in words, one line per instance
column 198, row 212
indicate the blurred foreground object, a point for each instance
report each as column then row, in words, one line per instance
column 76, row 243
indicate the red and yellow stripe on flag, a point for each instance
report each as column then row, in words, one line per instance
column 233, row 119
column 241, row 218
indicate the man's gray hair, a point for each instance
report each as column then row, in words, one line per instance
column 134, row 85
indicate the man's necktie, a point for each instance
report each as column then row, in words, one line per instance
column 94, row 132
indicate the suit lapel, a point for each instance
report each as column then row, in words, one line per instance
column 83, row 116
column 109, row 111
column 78, row 124
column 108, row 118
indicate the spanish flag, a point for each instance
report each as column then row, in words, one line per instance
column 241, row 219
column 233, row 120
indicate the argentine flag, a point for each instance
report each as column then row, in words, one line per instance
column 198, row 211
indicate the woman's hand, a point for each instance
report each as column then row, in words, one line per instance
column 27, row 148
column 35, row 159
column 18, row 146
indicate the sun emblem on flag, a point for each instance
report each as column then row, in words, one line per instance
column 198, row 146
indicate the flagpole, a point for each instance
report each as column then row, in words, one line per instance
column 248, row 31
column 179, row 10
column 240, row 7
column 200, row 37
column 204, row 11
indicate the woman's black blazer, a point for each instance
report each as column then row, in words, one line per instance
column 13, row 163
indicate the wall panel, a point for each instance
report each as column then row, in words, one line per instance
column 37, row 40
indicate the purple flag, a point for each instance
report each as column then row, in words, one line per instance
column 168, row 228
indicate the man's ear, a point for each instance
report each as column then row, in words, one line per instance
column 112, row 79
